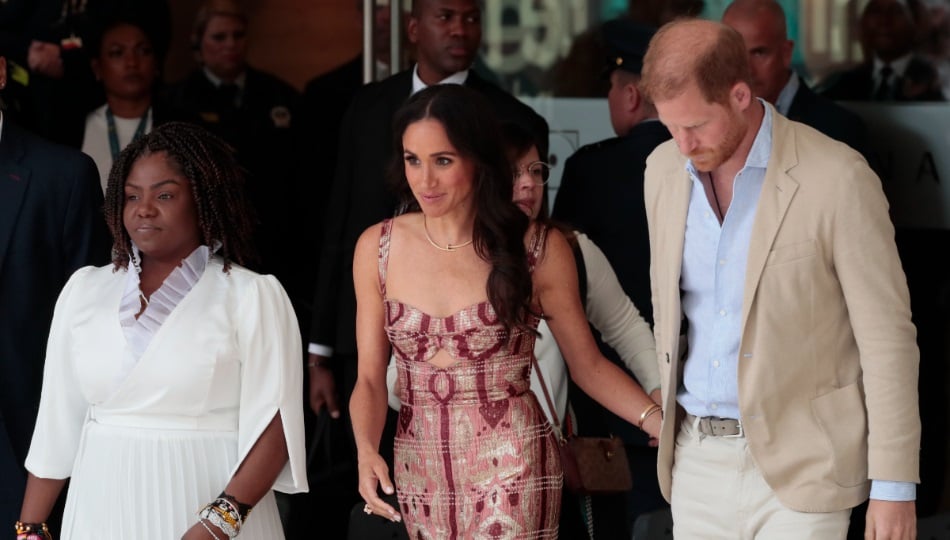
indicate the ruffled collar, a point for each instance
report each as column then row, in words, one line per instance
column 180, row 281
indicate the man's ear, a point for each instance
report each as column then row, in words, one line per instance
column 412, row 29
column 787, row 48
column 634, row 98
column 3, row 73
column 741, row 95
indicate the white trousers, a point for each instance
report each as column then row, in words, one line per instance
column 718, row 492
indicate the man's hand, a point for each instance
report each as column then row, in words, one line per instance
column 322, row 386
column 888, row 520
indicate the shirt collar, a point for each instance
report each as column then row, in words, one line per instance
column 201, row 254
column 458, row 77
column 761, row 147
column 787, row 95
column 216, row 81
column 382, row 70
column 898, row 66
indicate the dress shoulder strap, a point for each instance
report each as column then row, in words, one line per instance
column 385, row 234
column 536, row 248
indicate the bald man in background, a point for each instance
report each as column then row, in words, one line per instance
column 763, row 28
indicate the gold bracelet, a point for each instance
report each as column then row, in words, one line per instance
column 646, row 414
column 31, row 531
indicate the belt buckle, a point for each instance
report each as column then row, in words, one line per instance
column 741, row 432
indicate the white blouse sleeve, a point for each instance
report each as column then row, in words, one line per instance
column 63, row 407
column 612, row 313
column 271, row 377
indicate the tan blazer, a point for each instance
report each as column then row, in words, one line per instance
column 828, row 355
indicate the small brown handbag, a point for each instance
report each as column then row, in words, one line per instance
column 591, row 465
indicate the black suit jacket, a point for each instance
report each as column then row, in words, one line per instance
column 919, row 83
column 325, row 101
column 50, row 224
column 601, row 194
column 265, row 133
column 831, row 119
column 360, row 197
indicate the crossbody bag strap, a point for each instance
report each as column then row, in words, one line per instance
column 582, row 289
column 547, row 396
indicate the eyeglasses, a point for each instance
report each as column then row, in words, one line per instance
column 538, row 171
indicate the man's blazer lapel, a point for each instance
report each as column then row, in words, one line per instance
column 778, row 190
column 668, row 239
column 14, row 178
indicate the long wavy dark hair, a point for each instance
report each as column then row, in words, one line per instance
column 217, row 183
column 500, row 227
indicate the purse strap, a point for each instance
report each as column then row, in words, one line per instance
column 547, row 396
column 582, row 289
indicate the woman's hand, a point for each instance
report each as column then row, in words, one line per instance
column 374, row 473
column 657, row 397
column 204, row 531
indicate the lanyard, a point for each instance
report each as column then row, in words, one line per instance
column 114, row 136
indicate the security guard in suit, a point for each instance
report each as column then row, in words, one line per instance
column 601, row 194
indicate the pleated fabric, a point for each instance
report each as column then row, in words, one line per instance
column 150, row 483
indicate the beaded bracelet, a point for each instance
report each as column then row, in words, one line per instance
column 208, row 528
column 213, row 514
column 242, row 509
column 32, row 531
column 226, row 513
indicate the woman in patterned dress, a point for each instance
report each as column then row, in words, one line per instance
column 455, row 287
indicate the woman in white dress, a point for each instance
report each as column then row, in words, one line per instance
column 173, row 377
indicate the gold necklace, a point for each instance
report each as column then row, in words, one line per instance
column 448, row 247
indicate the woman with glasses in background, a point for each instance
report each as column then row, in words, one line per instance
column 609, row 310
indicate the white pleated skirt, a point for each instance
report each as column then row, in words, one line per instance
column 148, row 484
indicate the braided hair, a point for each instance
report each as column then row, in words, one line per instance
column 217, row 184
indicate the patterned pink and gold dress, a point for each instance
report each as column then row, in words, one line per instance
column 474, row 455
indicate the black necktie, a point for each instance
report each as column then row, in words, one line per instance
column 884, row 91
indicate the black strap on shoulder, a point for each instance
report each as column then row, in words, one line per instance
column 581, row 271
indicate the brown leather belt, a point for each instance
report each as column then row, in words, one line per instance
column 715, row 426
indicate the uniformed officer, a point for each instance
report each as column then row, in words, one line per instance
column 257, row 113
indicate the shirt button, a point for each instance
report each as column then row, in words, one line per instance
column 722, row 312
column 722, row 262
column 715, row 363
column 714, row 406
